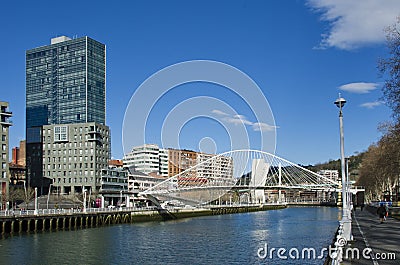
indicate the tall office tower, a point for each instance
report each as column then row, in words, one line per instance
column 148, row 158
column 5, row 123
column 65, row 84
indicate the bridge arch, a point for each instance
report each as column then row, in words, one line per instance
column 238, row 169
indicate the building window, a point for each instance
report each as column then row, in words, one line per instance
column 60, row 133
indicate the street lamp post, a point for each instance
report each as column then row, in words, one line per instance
column 48, row 195
column 84, row 200
column 36, row 203
column 90, row 194
column 346, row 217
column 349, row 195
column 120, row 199
column 26, row 194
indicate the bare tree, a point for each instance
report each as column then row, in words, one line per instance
column 14, row 196
column 29, row 196
column 380, row 167
column 390, row 69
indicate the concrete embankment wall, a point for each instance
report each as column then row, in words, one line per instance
column 31, row 223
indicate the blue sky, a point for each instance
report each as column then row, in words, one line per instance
column 301, row 54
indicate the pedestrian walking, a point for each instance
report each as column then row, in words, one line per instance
column 381, row 211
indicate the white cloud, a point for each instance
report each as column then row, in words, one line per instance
column 219, row 112
column 263, row 127
column 371, row 105
column 241, row 119
column 359, row 88
column 355, row 23
column 237, row 120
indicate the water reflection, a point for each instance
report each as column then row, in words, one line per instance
column 224, row 239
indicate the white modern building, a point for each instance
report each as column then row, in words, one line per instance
column 148, row 158
column 259, row 172
column 218, row 166
column 330, row 174
column 163, row 154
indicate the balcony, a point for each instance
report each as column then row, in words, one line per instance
column 95, row 138
column 5, row 113
column 5, row 121
column 93, row 130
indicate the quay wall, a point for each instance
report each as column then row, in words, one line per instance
column 52, row 222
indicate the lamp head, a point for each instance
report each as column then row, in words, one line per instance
column 340, row 102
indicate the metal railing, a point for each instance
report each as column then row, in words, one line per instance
column 12, row 213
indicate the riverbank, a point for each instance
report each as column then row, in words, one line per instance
column 307, row 204
column 373, row 242
column 381, row 238
column 68, row 221
column 217, row 239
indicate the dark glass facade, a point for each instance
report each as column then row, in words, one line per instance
column 65, row 84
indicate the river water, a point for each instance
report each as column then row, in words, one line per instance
column 224, row 239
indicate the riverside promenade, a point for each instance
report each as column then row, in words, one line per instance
column 368, row 232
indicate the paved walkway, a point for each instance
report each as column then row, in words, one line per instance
column 383, row 239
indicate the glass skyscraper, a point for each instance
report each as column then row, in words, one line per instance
column 65, row 84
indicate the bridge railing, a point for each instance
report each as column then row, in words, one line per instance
column 12, row 213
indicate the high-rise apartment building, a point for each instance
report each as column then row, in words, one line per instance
column 65, row 84
column 5, row 123
column 74, row 155
column 148, row 158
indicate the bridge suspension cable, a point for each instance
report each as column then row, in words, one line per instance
column 252, row 169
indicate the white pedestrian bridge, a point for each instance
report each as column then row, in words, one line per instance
column 238, row 170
